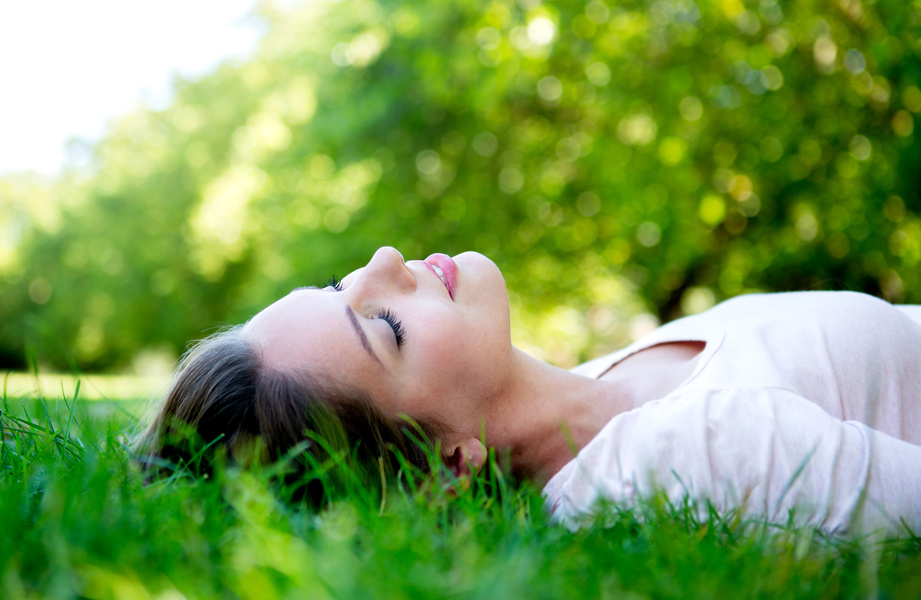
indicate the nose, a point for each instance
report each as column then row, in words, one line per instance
column 386, row 272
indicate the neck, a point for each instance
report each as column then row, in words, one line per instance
column 548, row 414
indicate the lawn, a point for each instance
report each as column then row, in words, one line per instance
column 79, row 522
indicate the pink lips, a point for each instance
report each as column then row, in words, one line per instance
column 448, row 267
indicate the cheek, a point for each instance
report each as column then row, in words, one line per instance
column 439, row 342
column 438, row 355
column 461, row 354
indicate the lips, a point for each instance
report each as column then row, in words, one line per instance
column 446, row 269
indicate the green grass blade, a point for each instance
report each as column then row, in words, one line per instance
column 70, row 417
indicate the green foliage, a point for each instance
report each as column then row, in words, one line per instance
column 78, row 521
column 612, row 157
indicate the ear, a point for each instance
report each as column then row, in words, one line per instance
column 465, row 457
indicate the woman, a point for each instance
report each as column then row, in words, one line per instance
column 802, row 404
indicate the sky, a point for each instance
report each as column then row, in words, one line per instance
column 69, row 66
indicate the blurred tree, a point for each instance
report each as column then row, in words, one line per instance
column 612, row 157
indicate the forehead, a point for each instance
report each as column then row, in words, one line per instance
column 307, row 329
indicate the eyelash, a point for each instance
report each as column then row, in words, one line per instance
column 397, row 327
column 335, row 283
column 398, row 332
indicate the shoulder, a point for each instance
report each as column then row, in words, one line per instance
column 687, row 441
column 795, row 303
column 597, row 366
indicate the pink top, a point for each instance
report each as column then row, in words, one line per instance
column 807, row 402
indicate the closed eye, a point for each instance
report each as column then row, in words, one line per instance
column 398, row 332
column 335, row 283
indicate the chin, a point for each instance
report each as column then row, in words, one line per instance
column 480, row 264
column 482, row 273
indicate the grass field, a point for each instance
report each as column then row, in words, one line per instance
column 79, row 522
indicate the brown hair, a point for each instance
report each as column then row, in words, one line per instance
column 225, row 404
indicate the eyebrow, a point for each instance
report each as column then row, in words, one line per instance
column 361, row 334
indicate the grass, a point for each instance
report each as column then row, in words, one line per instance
column 78, row 522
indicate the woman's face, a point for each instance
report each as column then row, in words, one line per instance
column 429, row 339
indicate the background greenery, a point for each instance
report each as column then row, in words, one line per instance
column 623, row 162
